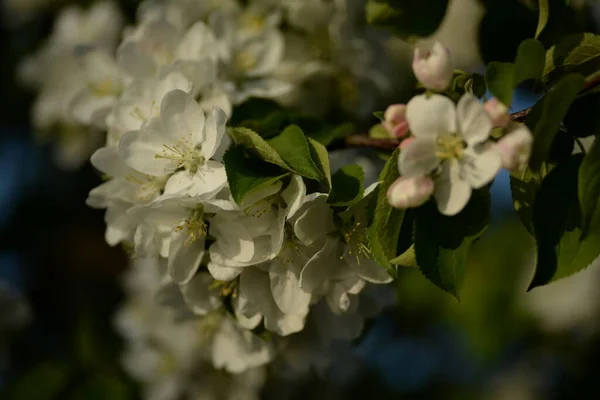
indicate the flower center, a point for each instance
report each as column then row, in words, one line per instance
column 195, row 226
column 252, row 22
column 355, row 237
column 245, row 61
column 148, row 187
column 208, row 325
column 103, row 88
column 450, row 146
column 225, row 288
column 183, row 155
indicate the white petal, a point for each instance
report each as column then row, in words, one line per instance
column 481, row 165
column 198, row 43
column 285, row 287
column 268, row 52
column 183, row 119
column 89, row 109
column 261, row 194
column 213, row 132
column 184, row 256
column 430, row 117
column 368, row 269
column 223, row 273
column 474, row 122
column 134, row 62
column 293, row 195
column 215, row 97
column 179, row 183
column 314, row 223
column 233, row 240
column 452, row 190
column 139, row 150
column 321, row 266
column 209, row 180
column 107, row 160
column 418, row 158
column 198, row 296
column 262, row 88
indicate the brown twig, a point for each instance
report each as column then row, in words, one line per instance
column 364, row 141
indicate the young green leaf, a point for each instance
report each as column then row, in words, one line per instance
column 293, row 148
column 589, row 191
column 556, row 213
column 548, row 116
column 387, row 222
column 320, row 155
column 379, row 115
column 246, row 175
column 407, row 18
column 347, row 186
column 252, row 140
column 503, row 78
column 442, row 243
column 543, row 19
column 579, row 52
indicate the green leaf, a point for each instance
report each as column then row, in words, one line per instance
column 247, row 175
column 252, row 140
column 406, row 259
column 561, row 251
column 499, row 80
column 578, row 52
column 293, row 148
column 379, row 115
column 442, row 243
column 503, row 78
column 523, row 187
column 347, row 186
column 320, row 155
column 589, row 191
column 379, row 132
column 387, row 222
column 44, row 381
column 543, row 19
column 548, row 114
column 407, row 18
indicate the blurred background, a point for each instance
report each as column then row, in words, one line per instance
column 59, row 280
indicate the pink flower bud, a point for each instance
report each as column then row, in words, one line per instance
column 410, row 192
column 433, row 69
column 515, row 147
column 395, row 121
column 498, row 112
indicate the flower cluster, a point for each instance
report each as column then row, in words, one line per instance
column 449, row 152
column 215, row 284
column 217, row 51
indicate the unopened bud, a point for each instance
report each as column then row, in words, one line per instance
column 433, row 69
column 515, row 147
column 498, row 113
column 395, row 121
column 410, row 192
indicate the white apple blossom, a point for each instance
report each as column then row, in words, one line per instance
column 181, row 141
column 247, row 62
column 450, row 142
